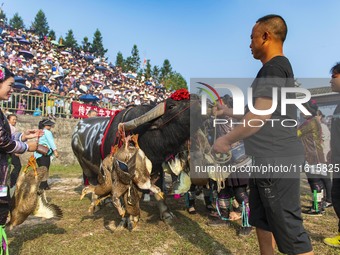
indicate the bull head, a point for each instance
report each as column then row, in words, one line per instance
column 155, row 113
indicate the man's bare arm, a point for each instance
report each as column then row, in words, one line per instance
column 241, row 132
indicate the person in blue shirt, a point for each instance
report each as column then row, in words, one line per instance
column 46, row 139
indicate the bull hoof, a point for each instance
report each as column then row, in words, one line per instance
column 168, row 217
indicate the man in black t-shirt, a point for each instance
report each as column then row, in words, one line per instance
column 335, row 155
column 274, row 197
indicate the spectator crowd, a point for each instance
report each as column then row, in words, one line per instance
column 41, row 65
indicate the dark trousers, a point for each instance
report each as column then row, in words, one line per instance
column 274, row 201
column 327, row 182
column 16, row 170
column 4, row 201
column 44, row 161
column 315, row 182
column 336, row 195
column 320, row 182
column 4, row 210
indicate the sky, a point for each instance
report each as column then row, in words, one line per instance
column 202, row 39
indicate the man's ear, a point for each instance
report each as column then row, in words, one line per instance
column 265, row 36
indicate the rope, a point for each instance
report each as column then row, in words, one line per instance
column 186, row 196
column 245, row 216
column 4, row 241
column 219, row 175
column 180, row 112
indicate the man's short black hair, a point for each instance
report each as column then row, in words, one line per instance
column 336, row 68
column 275, row 24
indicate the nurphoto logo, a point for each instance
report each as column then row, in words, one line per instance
column 284, row 93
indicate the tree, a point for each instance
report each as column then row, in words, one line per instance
column 155, row 73
column 16, row 22
column 140, row 73
column 3, row 16
column 135, row 59
column 147, row 71
column 52, row 35
column 70, row 41
column 166, row 69
column 97, row 45
column 175, row 81
column 40, row 24
column 129, row 65
column 86, row 45
column 120, row 60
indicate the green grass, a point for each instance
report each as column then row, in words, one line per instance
column 69, row 171
column 79, row 233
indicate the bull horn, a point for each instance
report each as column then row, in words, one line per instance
column 146, row 117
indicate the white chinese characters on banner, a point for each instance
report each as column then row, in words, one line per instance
column 81, row 110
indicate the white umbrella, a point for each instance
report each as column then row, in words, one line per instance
column 65, row 53
column 107, row 91
column 57, row 76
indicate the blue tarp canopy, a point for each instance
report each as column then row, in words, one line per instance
column 88, row 98
column 19, row 79
column 101, row 68
column 18, row 85
column 23, row 41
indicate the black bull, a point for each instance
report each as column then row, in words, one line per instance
column 158, row 138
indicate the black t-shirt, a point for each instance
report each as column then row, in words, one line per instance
column 335, row 136
column 275, row 138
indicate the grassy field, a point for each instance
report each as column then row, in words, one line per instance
column 80, row 233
